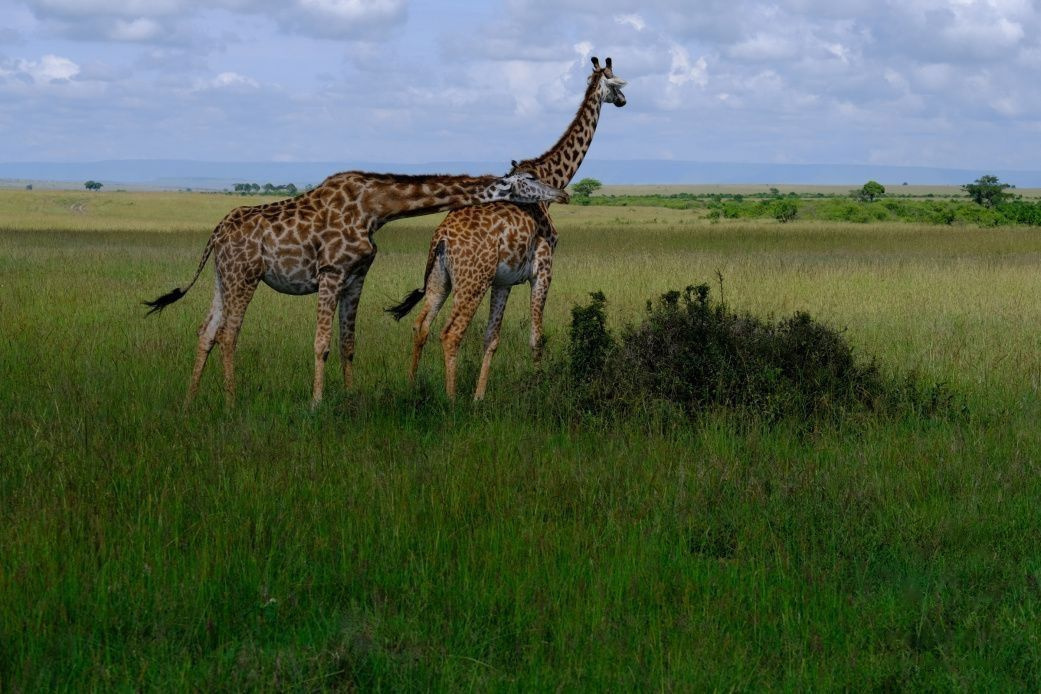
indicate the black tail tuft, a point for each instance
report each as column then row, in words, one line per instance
column 163, row 301
column 401, row 310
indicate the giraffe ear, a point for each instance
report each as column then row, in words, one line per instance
column 608, row 63
column 596, row 63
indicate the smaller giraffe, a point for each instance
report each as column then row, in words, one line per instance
column 321, row 241
column 500, row 245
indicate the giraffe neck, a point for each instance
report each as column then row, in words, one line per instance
column 380, row 198
column 436, row 194
column 560, row 163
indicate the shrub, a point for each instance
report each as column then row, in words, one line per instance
column 980, row 216
column 1020, row 212
column 695, row 354
column 784, row 210
column 944, row 214
column 590, row 340
column 849, row 212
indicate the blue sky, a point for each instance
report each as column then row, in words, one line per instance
column 910, row 82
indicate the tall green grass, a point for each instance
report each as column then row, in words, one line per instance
column 394, row 540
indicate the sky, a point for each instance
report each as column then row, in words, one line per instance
column 903, row 83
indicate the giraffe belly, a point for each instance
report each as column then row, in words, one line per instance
column 291, row 284
column 507, row 275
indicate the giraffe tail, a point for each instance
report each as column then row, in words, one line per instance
column 157, row 305
column 399, row 311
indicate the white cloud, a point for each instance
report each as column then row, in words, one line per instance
column 118, row 8
column 763, row 79
column 764, row 47
column 839, row 51
column 139, row 29
column 48, row 69
column 633, row 20
column 936, row 77
column 534, row 85
column 228, row 80
column 168, row 20
column 342, row 18
column 1006, row 106
column 681, row 71
column 352, row 10
column 897, row 80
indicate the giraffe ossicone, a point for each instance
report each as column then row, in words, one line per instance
column 501, row 245
column 321, row 241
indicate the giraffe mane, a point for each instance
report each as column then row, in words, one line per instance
column 414, row 178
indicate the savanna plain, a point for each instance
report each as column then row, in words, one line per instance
column 392, row 539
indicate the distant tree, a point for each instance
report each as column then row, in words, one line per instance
column 871, row 191
column 28, row 186
column 254, row 187
column 291, row 189
column 784, row 210
column 586, row 187
column 988, row 191
column 268, row 188
column 92, row 185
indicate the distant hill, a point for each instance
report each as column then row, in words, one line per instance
column 206, row 175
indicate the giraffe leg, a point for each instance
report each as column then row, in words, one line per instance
column 236, row 298
column 464, row 305
column 349, row 298
column 207, row 339
column 437, row 289
column 496, row 309
column 542, row 275
column 329, row 284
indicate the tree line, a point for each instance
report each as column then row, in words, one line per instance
column 990, row 203
column 266, row 189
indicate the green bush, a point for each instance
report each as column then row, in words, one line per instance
column 1020, row 212
column 590, row 340
column 847, row 212
column 978, row 215
column 943, row 214
column 694, row 355
column 784, row 210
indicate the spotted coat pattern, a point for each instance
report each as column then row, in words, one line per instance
column 501, row 245
column 322, row 241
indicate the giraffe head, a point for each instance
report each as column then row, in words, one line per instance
column 524, row 187
column 610, row 86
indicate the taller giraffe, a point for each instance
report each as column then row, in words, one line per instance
column 502, row 245
column 321, row 241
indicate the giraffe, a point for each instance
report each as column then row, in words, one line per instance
column 501, row 245
column 321, row 241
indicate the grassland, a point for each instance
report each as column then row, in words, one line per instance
column 394, row 540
